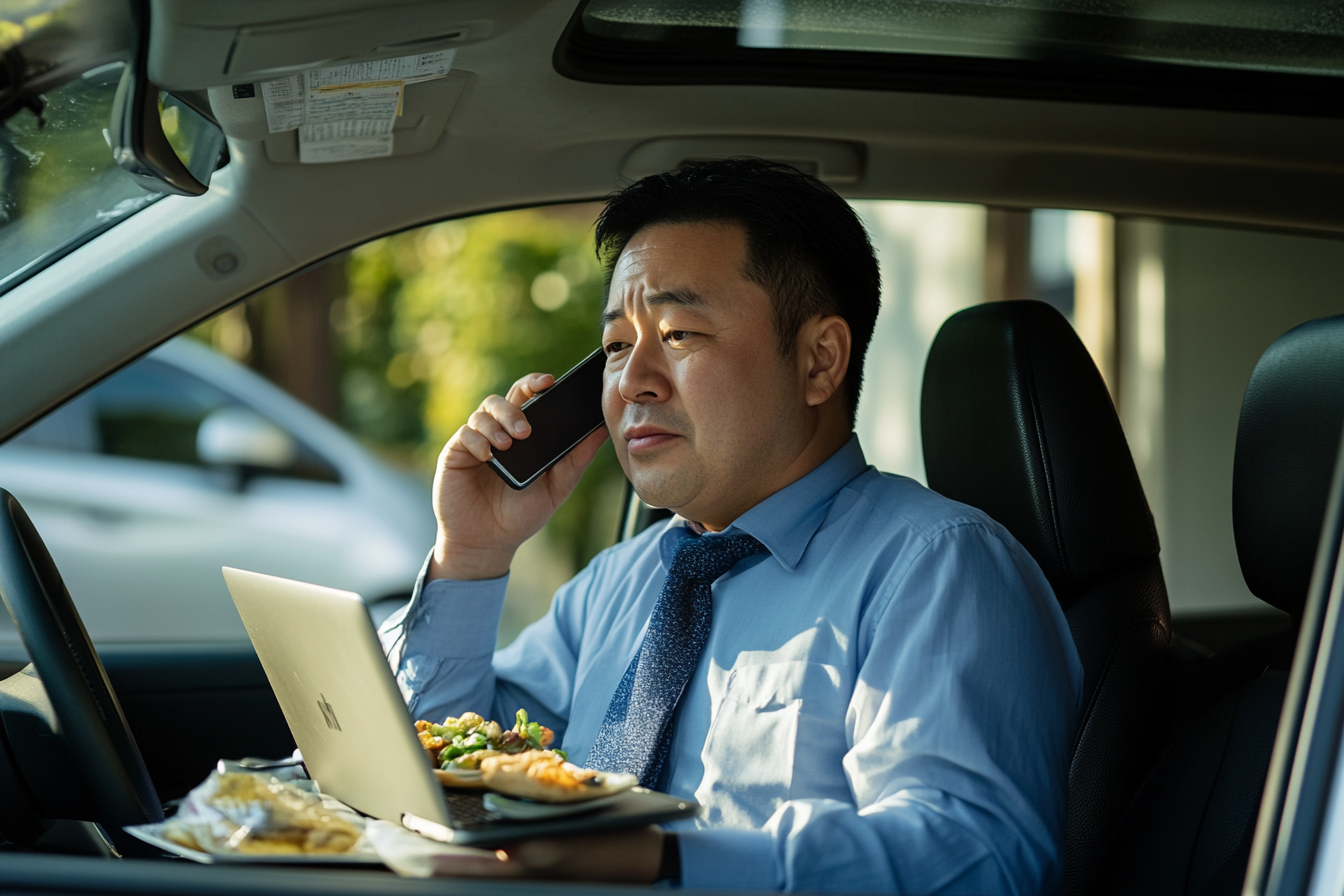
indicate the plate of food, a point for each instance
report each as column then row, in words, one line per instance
column 547, row 777
column 465, row 778
column 518, row 809
column 469, row 752
column 241, row 816
column 457, row 747
column 154, row 834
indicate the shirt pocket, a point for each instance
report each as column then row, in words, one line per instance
column 758, row 752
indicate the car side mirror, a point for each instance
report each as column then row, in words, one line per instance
column 164, row 143
column 244, row 440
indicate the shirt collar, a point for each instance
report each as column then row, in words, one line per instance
column 786, row 521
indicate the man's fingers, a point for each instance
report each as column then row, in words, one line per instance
column 528, row 387
column 512, row 420
column 493, row 431
column 469, row 442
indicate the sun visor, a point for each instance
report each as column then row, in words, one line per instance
column 198, row 44
column 426, row 108
column 386, row 107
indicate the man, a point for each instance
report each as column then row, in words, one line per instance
column 878, row 690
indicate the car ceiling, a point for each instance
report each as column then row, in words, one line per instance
column 519, row 133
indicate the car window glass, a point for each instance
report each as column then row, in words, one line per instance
column 1270, row 35
column 71, row 427
column 151, row 411
column 397, row 341
column 415, row 329
column 1257, row 55
column 59, row 185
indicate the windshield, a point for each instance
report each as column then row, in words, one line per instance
column 59, row 185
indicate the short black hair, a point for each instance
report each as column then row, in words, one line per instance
column 805, row 245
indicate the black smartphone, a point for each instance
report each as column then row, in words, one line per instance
column 561, row 417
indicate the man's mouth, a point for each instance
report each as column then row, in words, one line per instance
column 646, row 438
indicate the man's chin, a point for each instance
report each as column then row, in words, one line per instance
column 663, row 484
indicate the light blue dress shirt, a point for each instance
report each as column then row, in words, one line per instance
column 886, row 703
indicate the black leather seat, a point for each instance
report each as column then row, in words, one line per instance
column 1287, row 442
column 1190, row 827
column 1017, row 421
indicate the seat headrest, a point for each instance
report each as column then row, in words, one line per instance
column 1287, row 442
column 1017, row 422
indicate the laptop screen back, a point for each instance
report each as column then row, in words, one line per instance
column 324, row 662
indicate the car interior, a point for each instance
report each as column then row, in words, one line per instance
column 1017, row 421
column 1220, row 134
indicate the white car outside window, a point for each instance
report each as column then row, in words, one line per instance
column 183, row 462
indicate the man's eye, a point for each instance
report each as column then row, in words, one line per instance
column 678, row 335
column 614, row 347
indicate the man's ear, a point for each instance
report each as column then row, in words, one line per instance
column 823, row 355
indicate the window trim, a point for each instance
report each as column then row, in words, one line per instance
column 45, row 260
column 582, row 56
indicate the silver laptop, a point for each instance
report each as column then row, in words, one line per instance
column 327, row 668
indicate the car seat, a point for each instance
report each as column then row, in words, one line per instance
column 1017, row 422
column 1190, row 827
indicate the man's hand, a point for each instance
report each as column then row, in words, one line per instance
column 481, row 520
column 630, row 856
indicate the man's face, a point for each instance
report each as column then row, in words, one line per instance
column 704, row 412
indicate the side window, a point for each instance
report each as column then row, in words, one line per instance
column 70, row 427
column 938, row 258
column 1175, row 315
column 152, row 411
column 399, row 340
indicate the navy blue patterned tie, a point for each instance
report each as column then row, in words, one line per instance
column 637, row 731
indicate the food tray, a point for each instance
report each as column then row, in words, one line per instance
column 150, row 833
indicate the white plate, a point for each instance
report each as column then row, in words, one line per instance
column 526, row 810
column 150, row 834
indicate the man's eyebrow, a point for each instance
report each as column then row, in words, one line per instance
column 686, row 297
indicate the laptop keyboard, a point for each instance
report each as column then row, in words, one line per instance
column 467, row 810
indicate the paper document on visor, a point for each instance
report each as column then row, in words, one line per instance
column 348, row 112
column 284, row 101
column 403, row 68
column 375, row 102
column 347, row 123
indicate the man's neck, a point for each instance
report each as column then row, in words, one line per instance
column 817, row 452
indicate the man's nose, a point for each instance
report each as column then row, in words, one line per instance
column 644, row 377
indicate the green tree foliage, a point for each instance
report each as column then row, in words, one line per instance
column 437, row 318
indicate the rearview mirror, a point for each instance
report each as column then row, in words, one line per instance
column 161, row 141
column 238, row 437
